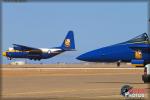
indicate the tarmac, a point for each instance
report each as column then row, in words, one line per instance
column 69, row 81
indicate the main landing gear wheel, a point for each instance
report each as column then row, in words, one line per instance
column 9, row 58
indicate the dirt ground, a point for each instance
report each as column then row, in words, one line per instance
column 67, row 82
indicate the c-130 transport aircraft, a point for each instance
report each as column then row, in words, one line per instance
column 21, row 51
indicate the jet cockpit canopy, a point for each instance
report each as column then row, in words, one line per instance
column 143, row 38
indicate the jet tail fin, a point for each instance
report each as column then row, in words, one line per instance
column 68, row 43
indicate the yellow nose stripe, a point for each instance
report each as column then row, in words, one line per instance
column 4, row 53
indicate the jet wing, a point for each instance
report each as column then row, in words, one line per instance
column 23, row 48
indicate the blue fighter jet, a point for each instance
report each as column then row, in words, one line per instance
column 20, row 51
column 136, row 51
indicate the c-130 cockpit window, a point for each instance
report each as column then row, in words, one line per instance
column 143, row 38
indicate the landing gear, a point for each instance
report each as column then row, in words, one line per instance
column 9, row 58
column 36, row 59
column 118, row 63
column 39, row 59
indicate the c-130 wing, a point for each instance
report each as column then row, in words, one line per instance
column 23, row 48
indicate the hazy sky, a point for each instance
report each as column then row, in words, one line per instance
column 95, row 25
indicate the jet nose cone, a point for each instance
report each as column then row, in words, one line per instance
column 89, row 56
column 4, row 53
column 81, row 57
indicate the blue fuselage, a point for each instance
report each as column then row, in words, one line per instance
column 29, row 55
column 119, row 52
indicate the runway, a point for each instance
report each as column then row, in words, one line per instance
column 69, row 83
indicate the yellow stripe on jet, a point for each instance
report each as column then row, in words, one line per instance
column 137, row 65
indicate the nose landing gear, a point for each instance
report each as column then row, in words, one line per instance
column 9, row 58
column 118, row 63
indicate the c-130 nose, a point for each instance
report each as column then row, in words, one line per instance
column 4, row 54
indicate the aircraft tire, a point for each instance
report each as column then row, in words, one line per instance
column 146, row 78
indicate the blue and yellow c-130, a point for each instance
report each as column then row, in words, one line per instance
column 136, row 51
column 20, row 51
